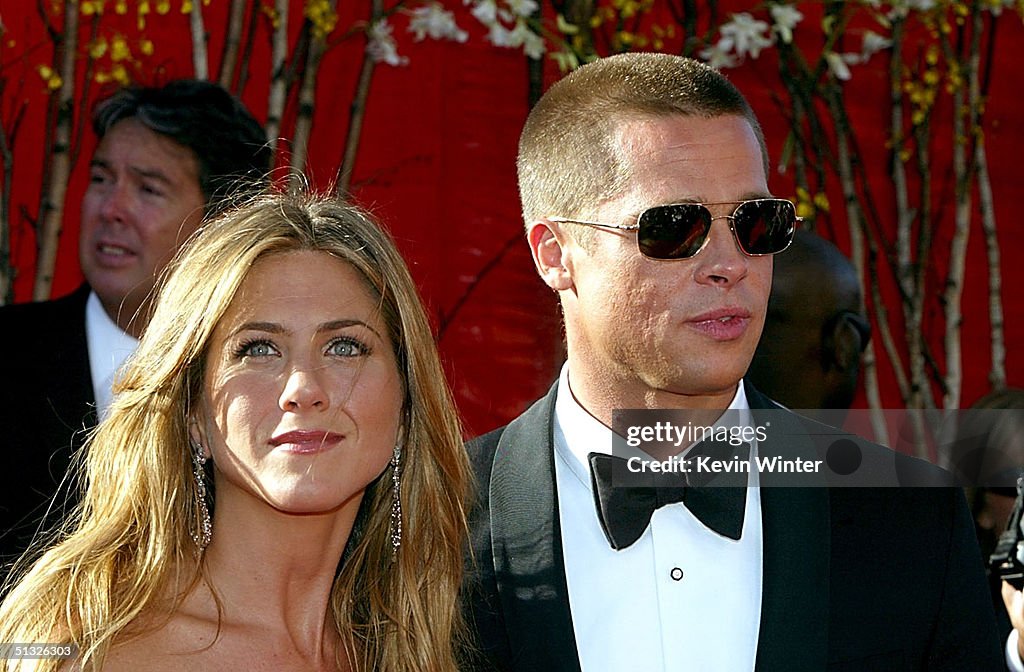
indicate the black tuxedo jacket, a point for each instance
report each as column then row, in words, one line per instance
column 884, row 578
column 46, row 408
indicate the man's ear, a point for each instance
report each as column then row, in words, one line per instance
column 550, row 254
column 842, row 345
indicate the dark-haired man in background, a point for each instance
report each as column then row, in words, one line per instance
column 167, row 158
column 814, row 332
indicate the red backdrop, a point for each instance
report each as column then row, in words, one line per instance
column 437, row 165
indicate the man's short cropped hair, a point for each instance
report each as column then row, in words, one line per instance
column 229, row 144
column 569, row 161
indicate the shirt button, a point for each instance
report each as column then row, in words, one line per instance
column 677, row 574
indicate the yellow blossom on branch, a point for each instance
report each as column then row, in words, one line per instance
column 565, row 27
column 322, row 16
column 271, row 14
column 98, row 48
column 804, row 206
column 50, row 77
column 87, row 8
column 821, row 201
column 120, row 75
column 187, row 7
column 119, row 50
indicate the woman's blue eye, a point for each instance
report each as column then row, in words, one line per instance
column 347, row 347
column 257, row 348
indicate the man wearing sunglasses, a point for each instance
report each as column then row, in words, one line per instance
column 643, row 179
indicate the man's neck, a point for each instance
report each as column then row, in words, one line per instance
column 602, row 395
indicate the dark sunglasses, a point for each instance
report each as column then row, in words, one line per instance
column 680, row 230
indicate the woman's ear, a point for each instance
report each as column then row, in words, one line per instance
column 551, row 256
column 197, row 439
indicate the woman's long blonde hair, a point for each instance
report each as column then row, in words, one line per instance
column 130, row 542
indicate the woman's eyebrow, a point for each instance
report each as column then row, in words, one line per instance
column 269, row 327
column 275, row 328
column 334, row 325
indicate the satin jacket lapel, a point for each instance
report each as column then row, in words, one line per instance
column 795, row 583
column 527, row 544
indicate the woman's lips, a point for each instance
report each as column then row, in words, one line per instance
column 306, row 441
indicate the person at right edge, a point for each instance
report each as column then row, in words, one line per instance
column 643, row 180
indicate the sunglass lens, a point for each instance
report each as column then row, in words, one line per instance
column 765, row 226
column 673, row 231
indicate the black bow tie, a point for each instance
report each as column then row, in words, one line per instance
column 625, row 511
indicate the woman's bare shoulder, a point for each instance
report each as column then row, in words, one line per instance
column 163, row 644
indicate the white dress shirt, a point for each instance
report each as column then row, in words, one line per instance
column 109, row 347
column 682, row 597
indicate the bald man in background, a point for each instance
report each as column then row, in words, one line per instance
column 815, row 331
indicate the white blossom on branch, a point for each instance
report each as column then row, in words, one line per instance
column 498, row 19
column 719, row 55
column 872, row 44
column 785, row 17
column 381, row 46
column 745, row 35
column 837, row 64
column 434, row 21
column 486, row 12
column 523, row 8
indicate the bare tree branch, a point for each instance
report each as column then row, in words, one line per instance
column 278, row 79
column 307, row 102
column 855, row 219
column 83, row 98
column 250, row 40
column 229, row 55
column 7, row 157
column 997, row 374
column 200, row 59
column 53, row 205
column 963, row 123
column 358, row 108
column 448, row 318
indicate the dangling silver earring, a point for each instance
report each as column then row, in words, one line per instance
column 396, row 502
column 202, row 539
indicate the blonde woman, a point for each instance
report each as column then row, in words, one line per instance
column 280, row 483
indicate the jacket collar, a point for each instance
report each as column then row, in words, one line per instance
column 526, row 541
column 530, row 569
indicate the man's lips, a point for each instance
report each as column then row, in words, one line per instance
column 112, row 254
column 306, row 441
column 721, row 324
